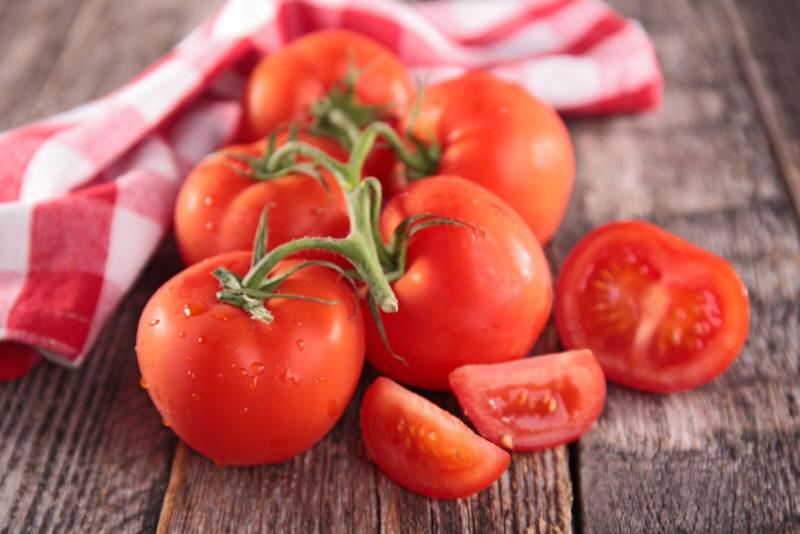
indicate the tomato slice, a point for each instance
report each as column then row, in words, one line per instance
column 660, row 313
column 532, row 403
column 424, row 448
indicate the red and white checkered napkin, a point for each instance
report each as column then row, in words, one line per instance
column 86, row 196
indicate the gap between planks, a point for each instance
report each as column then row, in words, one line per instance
column 766, row 105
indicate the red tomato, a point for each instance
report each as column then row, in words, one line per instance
column 424, row 448
column 283, row 87
column 532, row 403
column 16, row 360
column 468, row 295
column 494, row 133
column 660, row 313
column 241, row 391
column 218, row 207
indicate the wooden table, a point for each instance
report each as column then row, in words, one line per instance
column 719, row 164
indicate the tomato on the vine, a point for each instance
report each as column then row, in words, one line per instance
column 243, row 391
column 496, row 134
column 475, row 292
column 424, row 448
column 660, row 313
column 533, row 403
column 219, row 204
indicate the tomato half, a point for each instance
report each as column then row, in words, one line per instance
column 660, row 313
column 496, row 134
column 219, row 206
column 535, row 402
column 468, row 295
column 284, row 86
column 239, row 390
column 424, row 448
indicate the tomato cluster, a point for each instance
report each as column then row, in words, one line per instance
column 252, row 356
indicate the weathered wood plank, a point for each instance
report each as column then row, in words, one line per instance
column 767, row 44
column 82, row 450
column 722, row 458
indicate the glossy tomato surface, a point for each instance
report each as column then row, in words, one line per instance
column 219, row 206
column 533, row 403
column 424, row 448
column 660, row 313
column 477, row 294
column 241, row 391
column 496, row 134
column 283, row 87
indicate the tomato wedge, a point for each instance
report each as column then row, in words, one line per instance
column 532, row 403
column 660, row 313
column 424, row 448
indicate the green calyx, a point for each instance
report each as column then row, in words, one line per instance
column 373, row 262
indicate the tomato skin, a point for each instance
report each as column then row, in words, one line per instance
column 241, row 391
column 679, row 315
column 284, row 85
column 496, row 134
column 469, row 295
column 218, row 208
column 424, row 448
column 546, row 400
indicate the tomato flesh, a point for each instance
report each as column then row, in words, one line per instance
column 660, row 313
column 424, row 448
column 535, row 402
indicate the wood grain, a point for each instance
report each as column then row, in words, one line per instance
column 722, row 458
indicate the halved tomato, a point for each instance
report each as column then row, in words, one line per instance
column 660, row 313
column 535, row 402
column 424, row 448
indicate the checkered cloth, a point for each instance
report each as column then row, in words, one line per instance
column 86, row 196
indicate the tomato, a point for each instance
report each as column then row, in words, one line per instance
column 16, row 360
column 218, row 207
column 532, row 403
column 494, row 133
column 424, row 448
column 468, row 295
column 660, row 313
column 284, row 86
column 242, row 391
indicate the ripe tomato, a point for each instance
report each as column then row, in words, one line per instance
column 494, row 133
column 16, row 360
column 241, row 391
column 535, row 402
column 660, row 313
column 424, row 448
column 284, row 86
column 218, row 207
column 468, row 295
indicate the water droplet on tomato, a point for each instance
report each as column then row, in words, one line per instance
column 194, row 308
column 153, row 322
column 210, row 226
column 219, row 316
column 257, row 368
column 201, row 340
column 188, row 357
column 242, row 372
column 165, row 423
column 300, row 344
column 289, row 376
column 209, row 201
column 299, row 323
column 181, row 334
column 191, row 375
column 219, row 375
column 254, row 382
column 143, row 383
column 245, row 409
